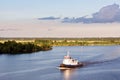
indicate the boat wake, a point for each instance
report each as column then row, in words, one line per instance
column 105, row 57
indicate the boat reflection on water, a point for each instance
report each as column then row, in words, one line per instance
column 67, row 73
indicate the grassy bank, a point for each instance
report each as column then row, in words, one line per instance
column 66, row 41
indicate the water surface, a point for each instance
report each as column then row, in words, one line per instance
column 103, row 64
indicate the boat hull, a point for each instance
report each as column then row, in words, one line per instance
column 71, row 66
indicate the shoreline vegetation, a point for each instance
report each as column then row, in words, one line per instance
column 13, row 47
column 29, row 45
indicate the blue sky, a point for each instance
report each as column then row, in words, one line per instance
column 17, row 9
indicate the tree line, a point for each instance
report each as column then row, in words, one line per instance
column 79, row 42
column 12, row 47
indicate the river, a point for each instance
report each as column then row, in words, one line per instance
column 103, row 64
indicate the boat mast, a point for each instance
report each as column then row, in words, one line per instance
column 68, row 53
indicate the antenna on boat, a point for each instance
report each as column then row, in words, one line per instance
column 68, row 53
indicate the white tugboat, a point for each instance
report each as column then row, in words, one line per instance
column 69, row 62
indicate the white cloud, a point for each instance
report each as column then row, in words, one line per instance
column 107, row 14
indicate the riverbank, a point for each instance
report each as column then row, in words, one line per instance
column 66, row 41
column 13, row 47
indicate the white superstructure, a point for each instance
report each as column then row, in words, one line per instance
column 69, row 61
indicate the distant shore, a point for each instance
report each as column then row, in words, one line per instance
column 67, row 41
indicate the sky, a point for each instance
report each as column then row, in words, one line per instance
column 25, row 18
column 20, row 9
